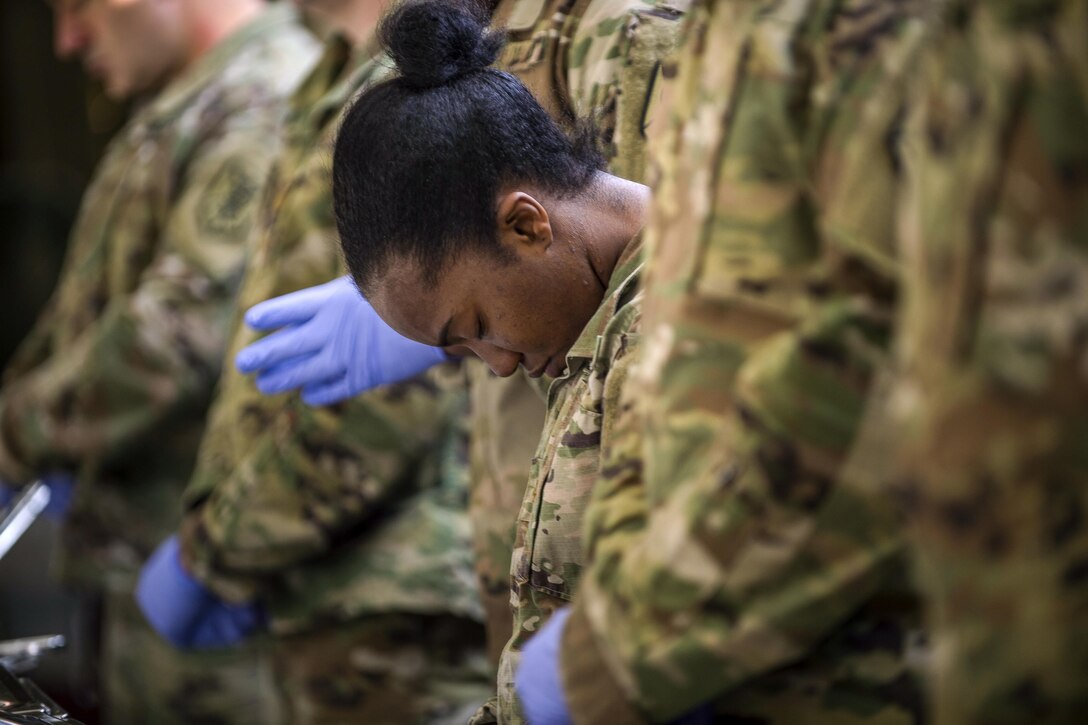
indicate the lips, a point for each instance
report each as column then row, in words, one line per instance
column 556, row 366
column 553, row 367
column 538, row 370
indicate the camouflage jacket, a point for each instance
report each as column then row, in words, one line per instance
column 731, row 558
column 547, row 558
column 326, row 513
column 114, row 381
column 988, row 411
column 588, row 59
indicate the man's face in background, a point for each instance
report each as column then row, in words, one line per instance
column 132, row 46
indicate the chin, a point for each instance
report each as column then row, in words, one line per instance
column 116, row 90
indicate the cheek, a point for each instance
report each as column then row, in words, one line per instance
column 543, row 320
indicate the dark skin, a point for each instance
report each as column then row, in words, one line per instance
column 528, row 308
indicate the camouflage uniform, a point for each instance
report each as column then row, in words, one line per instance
column 114, row 381
column 731, row 557
column 347, row 522
column 990, row 412
column 580, row 59
column 547, row 557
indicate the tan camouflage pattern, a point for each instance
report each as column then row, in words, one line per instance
column 506, row 416
column 732, row 561
column 547, row 555
column 330, row 516
column 114, row 381
column 596, row 60
column 989, row 412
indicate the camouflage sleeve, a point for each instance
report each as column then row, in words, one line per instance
column 752, row 380
column 300, row 481
column 36, row 347
column 991, row 406
column 156, row 351
column 613, row 71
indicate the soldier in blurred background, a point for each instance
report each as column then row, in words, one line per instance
column 345, row 525
column 985, row 422
column 105, row 399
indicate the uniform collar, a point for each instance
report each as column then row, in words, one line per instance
column 178, row 94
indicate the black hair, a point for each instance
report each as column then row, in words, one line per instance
column 420, row 158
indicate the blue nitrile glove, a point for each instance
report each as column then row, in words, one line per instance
column 333, row 345
column 61, row 486
column 183, row 611
column 540, row 687
column 538, row 681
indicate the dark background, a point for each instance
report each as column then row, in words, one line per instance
column 53, row 127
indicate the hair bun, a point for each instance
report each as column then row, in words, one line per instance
column 435, row 41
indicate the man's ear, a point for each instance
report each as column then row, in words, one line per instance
column 523, row 223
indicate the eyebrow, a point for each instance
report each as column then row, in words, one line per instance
column 444, row 336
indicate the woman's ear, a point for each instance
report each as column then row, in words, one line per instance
column 523, row 223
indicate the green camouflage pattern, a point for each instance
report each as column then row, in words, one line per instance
column 724, row 536
column 114, row 381
column 989, row 407
column 388, row 669
column 334, row 513
column 144, row 679
column 596, row 60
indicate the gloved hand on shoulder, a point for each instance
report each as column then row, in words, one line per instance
column 333, row 346
column 184, row 612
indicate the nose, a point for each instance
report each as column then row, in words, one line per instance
column 70, row 35
column 502, row 362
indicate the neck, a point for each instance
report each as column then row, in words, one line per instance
column 616, row 213
column 212, row 21
column 358, row 19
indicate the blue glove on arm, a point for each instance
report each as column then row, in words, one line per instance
column 333, row 345
column 538, row 681
column 186, row 614
column 540, row 687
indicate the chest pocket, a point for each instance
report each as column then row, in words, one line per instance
column 565, row 475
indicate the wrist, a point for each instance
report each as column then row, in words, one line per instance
column 592, row 693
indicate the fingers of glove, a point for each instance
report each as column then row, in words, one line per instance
column 298, row 373
column 291, row 342
column 328, row 393
column 289, row 309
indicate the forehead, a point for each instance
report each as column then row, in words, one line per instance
column 413, row 305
